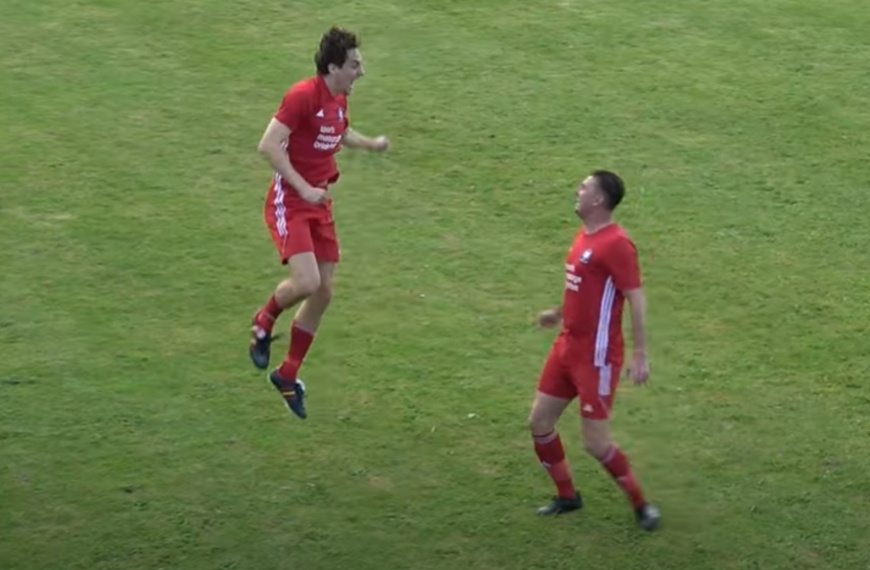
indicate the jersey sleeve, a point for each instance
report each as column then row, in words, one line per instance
column 622, row 262
column 294, row 108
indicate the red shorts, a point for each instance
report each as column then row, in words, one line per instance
column 302, row 229
column 568, row 374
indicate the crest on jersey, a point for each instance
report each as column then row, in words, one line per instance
column 340, row 114
column 586, row 255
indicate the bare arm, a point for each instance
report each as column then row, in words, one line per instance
column 354, row 139
column 637, row 300
column 272, row 145
column 549, row 318
column 639, row 368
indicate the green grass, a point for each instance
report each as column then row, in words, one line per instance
column 135, row 434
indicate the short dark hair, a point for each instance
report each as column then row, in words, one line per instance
column 334, row 46
column 612, row 186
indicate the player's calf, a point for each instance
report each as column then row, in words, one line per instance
column 599, row 444
column 313, row 308
column 304, row 283
column 545, row 412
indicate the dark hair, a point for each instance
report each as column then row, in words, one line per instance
column 612, row 186
column 334, row 46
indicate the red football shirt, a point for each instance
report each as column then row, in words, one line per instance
column 317, row 120
column 600, row 267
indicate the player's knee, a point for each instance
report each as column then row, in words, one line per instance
column 540, row 424
column 595, row 445
column 325, row 288
column 324, row 292
column 306, row 285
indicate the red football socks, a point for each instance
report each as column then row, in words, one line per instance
column 550, row 452
column 616, row 463
column 300, row 342
column 267, row 315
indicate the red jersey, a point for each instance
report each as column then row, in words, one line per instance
column 317, row 120
column 600, row 267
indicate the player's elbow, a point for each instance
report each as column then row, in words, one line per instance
column 269, row 143
column 273, row 138
column 264, row 147
column 271, row 150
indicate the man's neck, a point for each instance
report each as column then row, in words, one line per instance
column 596, row 223
column 330, row 84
